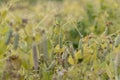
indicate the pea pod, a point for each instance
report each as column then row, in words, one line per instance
column 8, row 37
column 117, row 41
column 16, row 41
column 35, row 56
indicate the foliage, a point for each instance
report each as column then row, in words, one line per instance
column 60, row 41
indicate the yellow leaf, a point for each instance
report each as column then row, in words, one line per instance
column 58, row 49
column 70, row 60
column 78, row 55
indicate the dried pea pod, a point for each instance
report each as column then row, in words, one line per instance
column 16, row 41
column 64, row 58
column 8, row 37
column 35, row 56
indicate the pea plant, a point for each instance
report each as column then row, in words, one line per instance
column 47, row 45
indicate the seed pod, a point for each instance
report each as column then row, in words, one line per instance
column 117, row 41
column 45, row 45
column 44, row 48
column 16, row 41
column 64, row 57
column 52, row 65
column 71, row 50
column 60, row 39
column 35, row 56
column 80, row 46
column 117, row 66
column 8, row 37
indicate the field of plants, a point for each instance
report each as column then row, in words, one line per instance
column 59, row 39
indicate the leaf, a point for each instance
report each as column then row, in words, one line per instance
column 57, row 49
column 70, row 60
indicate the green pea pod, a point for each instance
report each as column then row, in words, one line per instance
column 44, row 46
column 80, row 46
column 60, row 40
column 8, row 37
column 16, row 41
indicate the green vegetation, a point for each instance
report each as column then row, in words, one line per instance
column 59, row 40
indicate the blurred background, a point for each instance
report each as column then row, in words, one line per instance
column 85, row 16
